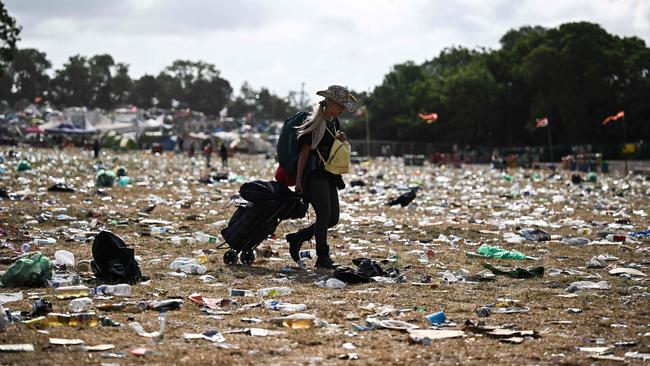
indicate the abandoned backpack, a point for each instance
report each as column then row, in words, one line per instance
column 113, row 261
column 288, row 148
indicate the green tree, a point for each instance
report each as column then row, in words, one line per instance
column 145, row 92
column 72, row 83
column 26, row 77
column 101, row 83
column 9, row 35
column 121, row 84
column 199, row 85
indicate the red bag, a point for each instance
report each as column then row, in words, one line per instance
column 283, row 177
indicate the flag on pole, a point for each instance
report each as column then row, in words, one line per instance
column 431, row 117
column 542, row 122
column 618, row 115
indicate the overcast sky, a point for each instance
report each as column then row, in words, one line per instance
column 281, row 43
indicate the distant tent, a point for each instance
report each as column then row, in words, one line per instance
column 70, row 128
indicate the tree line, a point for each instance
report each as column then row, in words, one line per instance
column 575, row 75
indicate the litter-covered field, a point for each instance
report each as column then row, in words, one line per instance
column 480, row 267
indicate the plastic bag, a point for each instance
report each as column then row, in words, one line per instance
column 105, row 178
column 29, row 272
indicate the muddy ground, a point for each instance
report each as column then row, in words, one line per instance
column 475, row 203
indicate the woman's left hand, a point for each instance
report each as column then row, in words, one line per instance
column 341, row 136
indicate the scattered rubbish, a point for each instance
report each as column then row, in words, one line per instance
column 535, row 235
column 71, row 292
column 282, row 306
column 211, row 335
column 123, row 289
column 396, row 325
column 531, row 272
column 587, row 285
column 98, row 348
column 80, row 305
column 7, row 297
column 155, row 334
column 274, row 291
column 426, row 336
column 141, row 351
column 65, row 342
column 113, row 261
column 489, row 251
column 17, row 347
column 333, row 283
column 32, row 271
column 639, row 355
column 436, row 318
column 298, row 321
column 627, row 271
column 404, row 199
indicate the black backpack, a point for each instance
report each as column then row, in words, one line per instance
column 113, row 261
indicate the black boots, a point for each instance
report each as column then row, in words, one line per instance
column 325, row 262
column 296, row 240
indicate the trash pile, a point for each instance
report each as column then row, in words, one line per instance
column 124, row 259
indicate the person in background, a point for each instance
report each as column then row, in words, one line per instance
column 180, row 144
column 96, row 148
column 223, row 152
column 207, row 150
column 190, row 152
column 319, row 187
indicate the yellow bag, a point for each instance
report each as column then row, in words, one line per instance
column 338, row 161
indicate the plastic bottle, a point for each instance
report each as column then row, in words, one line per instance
column 70, row 292
column 127, row 307
column 182, row 240
column 616, row 238
column 205, row 238
column 193, row 268
column 80, row 304
column 238, row 292
column 181, row 261
column 64, row 258
column 79, row 224
column 158, row 230
column 44, row 241
column 274, row 291
column 122, row 289
column 86, row 319
column 575, row 241
column 308, row 253
column 281, row 306
column 40, row 322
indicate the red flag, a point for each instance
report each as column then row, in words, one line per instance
column 542, row 122
column 431, row 117
column 618, row 115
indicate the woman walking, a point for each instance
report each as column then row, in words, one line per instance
column 319, row 187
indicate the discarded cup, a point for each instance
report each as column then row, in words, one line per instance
column 436, row 318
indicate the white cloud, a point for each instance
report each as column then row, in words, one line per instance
column 281, row 43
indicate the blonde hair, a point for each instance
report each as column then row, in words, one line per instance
column 314, row 124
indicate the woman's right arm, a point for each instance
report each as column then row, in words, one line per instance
column 302, row 159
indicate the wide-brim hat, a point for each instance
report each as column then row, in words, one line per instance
column 341, row 96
